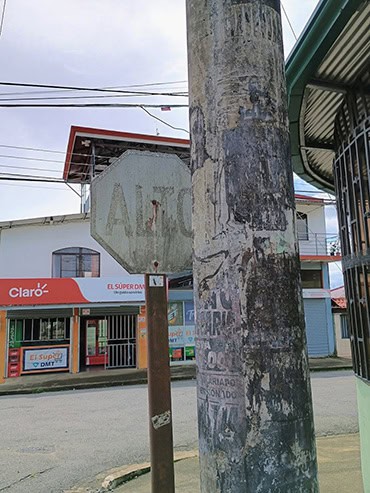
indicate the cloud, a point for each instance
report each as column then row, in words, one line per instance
column 91, row 43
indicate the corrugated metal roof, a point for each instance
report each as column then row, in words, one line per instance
column 332, row 69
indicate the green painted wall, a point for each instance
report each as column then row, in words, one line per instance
column 363, row 398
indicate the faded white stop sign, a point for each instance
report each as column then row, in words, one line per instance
column 141, row 212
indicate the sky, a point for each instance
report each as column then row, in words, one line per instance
column 90, row 43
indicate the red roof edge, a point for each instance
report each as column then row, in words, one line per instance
column 113, row 133
column 306, row 197
column 71, row 140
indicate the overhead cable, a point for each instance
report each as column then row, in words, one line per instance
column 93, row 105
column 2, row 18
column 290, row 24
column 80, row 88
column 121, row 87
column 163, row 121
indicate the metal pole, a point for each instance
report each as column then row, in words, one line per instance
column 255, row 414
column 159, row 385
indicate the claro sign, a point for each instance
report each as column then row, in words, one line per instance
column 20, row 292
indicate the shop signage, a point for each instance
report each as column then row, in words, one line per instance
column 175, row 313
column 181, row 336
column 38, row 359
column 20, row 292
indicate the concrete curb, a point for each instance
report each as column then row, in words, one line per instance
column 127, row 473
column 85, row 385
column 122, row 380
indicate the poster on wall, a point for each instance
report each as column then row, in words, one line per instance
column 176, row 336
column 175, row 315
column 189, row 336
column 38, row 359
column 189, row 313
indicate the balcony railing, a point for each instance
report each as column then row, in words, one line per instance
column 319, row 244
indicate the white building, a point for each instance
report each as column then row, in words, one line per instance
column 63, row 296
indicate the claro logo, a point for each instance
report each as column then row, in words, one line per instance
column 20, row 292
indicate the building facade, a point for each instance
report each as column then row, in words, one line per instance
column 328, row 77
column 341, row 324
column 67, row 305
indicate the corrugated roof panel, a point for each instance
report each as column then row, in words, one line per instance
column 321, row 108
column 323, row 162
column 328, row 69
column 346, row 57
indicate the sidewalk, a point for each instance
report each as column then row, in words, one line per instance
column 96, row 378
column 339, row 469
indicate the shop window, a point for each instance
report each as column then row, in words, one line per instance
column 181, row 331
column 311, row 279
column 45, row 329
column 344, row 329
column 302, row 226
column 76, row 262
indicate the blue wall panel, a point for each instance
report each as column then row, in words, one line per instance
column 316, row 317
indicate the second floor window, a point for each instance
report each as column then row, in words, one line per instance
column 76, row 262
column 311, row 279
column 302, row 226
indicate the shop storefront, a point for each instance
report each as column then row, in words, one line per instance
column 56, row 325
column 181, row 327
column 38, row 341
column 72, row 325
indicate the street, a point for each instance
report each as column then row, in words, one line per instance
column 52, row 441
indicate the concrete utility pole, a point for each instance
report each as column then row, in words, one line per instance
column 256, row 430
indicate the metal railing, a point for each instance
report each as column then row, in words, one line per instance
column 319, row 244
column 121, row 355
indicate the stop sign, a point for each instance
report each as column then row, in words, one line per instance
column 141, row 212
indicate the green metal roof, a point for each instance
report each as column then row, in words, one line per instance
column 327, row 61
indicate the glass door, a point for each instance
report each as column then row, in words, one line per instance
column 96, row 342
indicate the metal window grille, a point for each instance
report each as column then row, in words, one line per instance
column 351, row 174
column 121, row 341
column 76, row 262
column 302, row 226
column 45, row 329
column 344, row 329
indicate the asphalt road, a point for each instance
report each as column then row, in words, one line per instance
column 52, row 441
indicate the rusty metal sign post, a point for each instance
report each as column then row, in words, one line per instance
column 141, row 214
column 159, row 385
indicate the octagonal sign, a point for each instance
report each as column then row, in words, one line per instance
column 141, row 212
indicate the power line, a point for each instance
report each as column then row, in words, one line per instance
column 34, row 186
column 105, row 96
column 93, row 105
column 25, row 158
column 164, row 122
column 80, row 88
column 121, row 87
column 32, row 169
column 37, row 149
column 19, row 177
column 2, row 18
column 290, row 25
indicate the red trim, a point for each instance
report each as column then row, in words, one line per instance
column 43, row 291
column 113, row 133
column 307, row 198
column 67, row 163
column 337, row 289
column 101, row 359
column 322, row 258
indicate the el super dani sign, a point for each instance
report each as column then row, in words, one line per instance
column 40, row 359
column 45, row 291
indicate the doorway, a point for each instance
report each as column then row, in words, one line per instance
column 108, row 341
